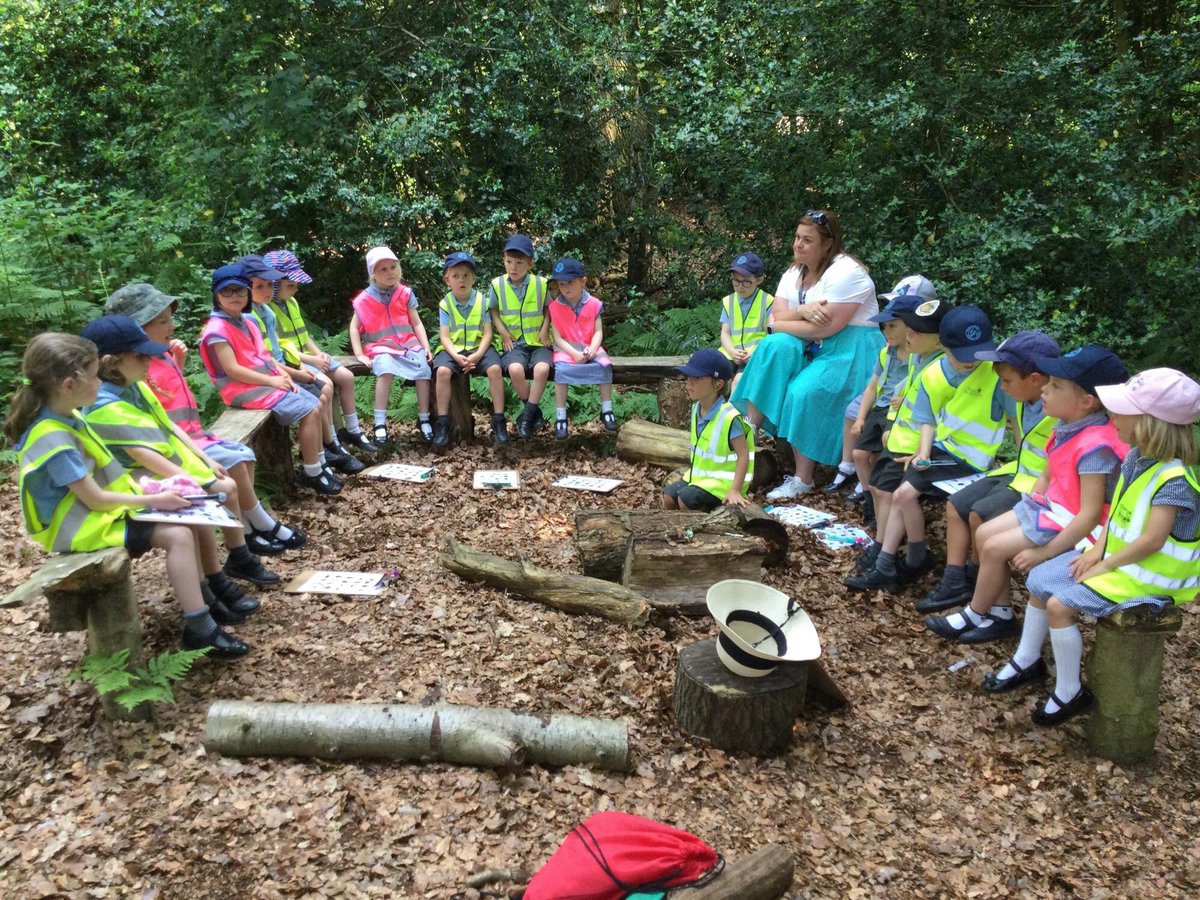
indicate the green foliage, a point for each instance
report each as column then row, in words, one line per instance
column 131, row 687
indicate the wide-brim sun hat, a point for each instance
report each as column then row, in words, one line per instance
column 760, row 628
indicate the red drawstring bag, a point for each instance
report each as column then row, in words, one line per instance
column 611, row 855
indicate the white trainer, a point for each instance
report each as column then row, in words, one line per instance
column 791, row 488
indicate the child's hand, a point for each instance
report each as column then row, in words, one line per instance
column 168, row 501
column 1088, row 564
column 364, row 359
column 895, row 402
column 740, row 357
column 178, row 350
column 506, row 342
column 735, row 498
column 1027, row 559
column 857, row 427
column 578, row 356
column 304, row 376
column 322, row 363
column 428, row 355
column 284, row 382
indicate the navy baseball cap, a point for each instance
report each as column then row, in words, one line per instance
column 1088, row 366
column 926, row 318
column 1022, row 350
column 519, row 243
column 907, row 303
column 748, row 264
column 234, row 273
column 965, row 331
column 458, row 258
column 707, row 362
column 120, row 334
column 568, row 269
column 254, row 266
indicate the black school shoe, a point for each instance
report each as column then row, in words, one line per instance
column 610, row 421
column 991, row 629
column 221, row 644
column 223, row 615
column 500, row 428
column 1081, row 702
column 994, row 685
column 441, row 431
column 321, row 483
column 294, row 542
column 873, row 580
column 261, row 544
column 908, row 574
column 359, row 442
column 945, row 596
column 227, row 592
column 561, row 429
column 525, row 424
column 341, row 461
column 248, row 570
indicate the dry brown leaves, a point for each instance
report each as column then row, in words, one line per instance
column 923, row 787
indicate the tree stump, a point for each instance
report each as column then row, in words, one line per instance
column 746, row 715
column 675, row 574
column 674, row 406
column 462, row 423
column 1124, row 671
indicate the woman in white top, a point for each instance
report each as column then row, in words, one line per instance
column 820, row 354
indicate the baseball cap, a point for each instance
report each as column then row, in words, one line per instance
column 707, row 362
column 1166, row 394
column 285, row 261
column 234, row 273
column 926, row 318
column 253, row 266
column 903, row 303
column 912, row 284
column 376, row 255
column 748, row 264
column 458, row 258
column 965, row 331
column 519, row 243
column 120, row 334
column 1088, row 366
column 140, row 302
column 568, row 269
column 1022, row 350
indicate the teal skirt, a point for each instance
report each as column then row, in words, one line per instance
column 776, row 361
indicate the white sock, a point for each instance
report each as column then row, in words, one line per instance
column 321, row 458
column 605, row 406
column 381, row 417
column 1068, row 658
column 259, row 518
column 560, row 413
column 963, row 616
column 1002, row 612
column 313, row 470
column 1033, row 635
column 423, row 417
column 352, row 425
column 846, row 468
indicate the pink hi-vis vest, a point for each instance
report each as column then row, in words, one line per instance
column 250, row 352
column 385, row 326
column 1062, row 462
column 577, row 329
column 175, row 394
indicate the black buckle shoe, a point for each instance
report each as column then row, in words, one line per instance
column 221, row 644
column 500, row 429
column 223, row 615
column 992, row 684
column 346, row 464
column 524, row 431
column 321, row 483
column 294, row 542
column 260, row 544
column 560, row 430
column 1081, row 702
column 250, row 570
column 610, row 421
column 359, row 441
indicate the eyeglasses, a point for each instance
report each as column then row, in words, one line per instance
column 820, row 220
column 234, row 291
column 743, row 282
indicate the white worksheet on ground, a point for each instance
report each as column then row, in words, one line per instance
column 400, row 472
column 497, row 479
column 589, row 483
column 311, row 581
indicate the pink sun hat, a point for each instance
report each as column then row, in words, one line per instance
column 1163, row 393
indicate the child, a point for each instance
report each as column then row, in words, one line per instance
column 722, row 445
column 465, row 346
column 135, row 428
column 746, row 313
column 264, row 290
column 579, row 357
column 904, row 434
column 299, row 349
column 75, row 497
column 960, row 406
column 154, row 311
column 247, row 376
column 1068, row 501
column 1147, row 555
column 387, row 334
column 517, row 301
column 990, row 497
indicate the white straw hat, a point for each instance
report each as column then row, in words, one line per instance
column 760, row 627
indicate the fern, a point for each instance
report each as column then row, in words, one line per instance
column 151, row 684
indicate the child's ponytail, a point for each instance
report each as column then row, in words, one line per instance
column 50, row 359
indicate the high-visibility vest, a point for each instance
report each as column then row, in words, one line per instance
column 904, row 439
column 1172, row 571
column 714, row 462
column 290, row 329
column 73, row 526
column 170, row 386
column 249, row 350
column 967, row 425
column 1063, row 492
column 745, row 331
column 119, row 423
column 1027, row 468
column 522, row 316
column 465, row 331
column 385, row 326
column 577, row 328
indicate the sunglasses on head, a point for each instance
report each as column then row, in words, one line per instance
column 819, row 219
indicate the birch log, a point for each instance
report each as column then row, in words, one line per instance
column 570, row 593
column 467, row 735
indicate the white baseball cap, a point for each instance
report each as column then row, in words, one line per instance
column 376, row 255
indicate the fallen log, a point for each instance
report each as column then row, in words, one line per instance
column 765, row 874
column 467, row 735
column 570, row 593
column 666, row 448
column 675, row 574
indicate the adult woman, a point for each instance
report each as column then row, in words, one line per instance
column 794, row 387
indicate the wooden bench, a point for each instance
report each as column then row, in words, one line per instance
column 92, row 592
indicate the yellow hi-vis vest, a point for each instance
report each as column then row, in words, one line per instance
column 1171, row 571
column 904, row 439
column 522, row 316
column 714, row 462
column 465, row 331
column 1030, row 463
column 966, row 424
column 122, row 424
column 290, row 329
column 73, row 526
column 746, row 331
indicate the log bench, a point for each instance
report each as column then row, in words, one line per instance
column 92, row 592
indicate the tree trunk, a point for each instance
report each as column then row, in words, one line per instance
column 764, row 875
column 570, row 593
column 467, row 735
column 113, row 625
column 674, row 405
column 462, row 422
column 746, row 715
column 667, row 448
column 675, row 575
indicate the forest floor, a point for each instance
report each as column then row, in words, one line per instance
column 922, row 787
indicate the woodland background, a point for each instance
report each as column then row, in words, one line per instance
column 1039, row 159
